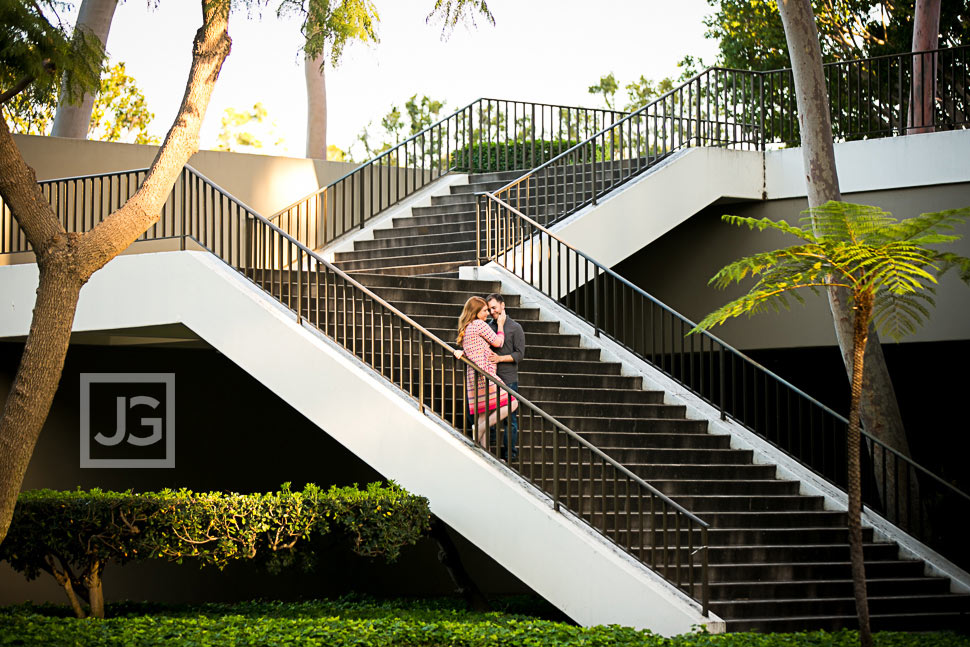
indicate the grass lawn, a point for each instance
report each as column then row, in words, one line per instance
column 361, row 621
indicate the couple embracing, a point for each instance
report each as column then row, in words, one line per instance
column 487, row 404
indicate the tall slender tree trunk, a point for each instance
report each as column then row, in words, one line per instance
column 926, row 36
column 860, row 327
column 879, row 409
column 67, row 260
column 316, row 107
column 73, row 120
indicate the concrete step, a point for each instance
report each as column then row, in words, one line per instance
column 430, row 284
column 425, row 240
column 827, row 588
column 406, row 228
column 466, row 247
column 466, row 257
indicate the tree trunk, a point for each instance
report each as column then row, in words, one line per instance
column 316, row 107
column 67, row 260
column 92, row 580
column 73, row 120
column 448, row 556
column 64, row 577
column 879, row 409
column 926, row 36
column 863, row 314
column 38, row 374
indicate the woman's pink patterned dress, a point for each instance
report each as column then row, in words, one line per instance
column 477, row 342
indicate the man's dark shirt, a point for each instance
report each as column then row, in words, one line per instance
column 514, row 345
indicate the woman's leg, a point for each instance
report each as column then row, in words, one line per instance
column 498, row 415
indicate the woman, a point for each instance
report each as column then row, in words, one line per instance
column 476, row 339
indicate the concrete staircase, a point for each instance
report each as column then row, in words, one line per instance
column 779, row 560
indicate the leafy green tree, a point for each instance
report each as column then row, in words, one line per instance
column 119, row 113
column 328, row 26
column 751, row 36
column 73, row 114
column 889, row 272
column 608, row 87
column 246, row 130
column 37, row 53
column 418, row 115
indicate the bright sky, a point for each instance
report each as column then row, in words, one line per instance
column 539, row 50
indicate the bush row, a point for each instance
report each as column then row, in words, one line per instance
column 74, row 535
column 507, row 156
column 345, row 622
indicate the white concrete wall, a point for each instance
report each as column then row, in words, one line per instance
column 878, row 164
column 561, row 558
column 637, row 214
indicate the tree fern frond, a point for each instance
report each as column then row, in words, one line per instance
column 899, row 315
column 766, row 223
column 946, row 261
column 925, row 226
column 795, row 259
column 846, row 221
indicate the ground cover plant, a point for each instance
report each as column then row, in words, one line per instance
column 361, row 621
column 73, row 535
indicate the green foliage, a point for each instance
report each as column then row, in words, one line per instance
column 245, row 130
column 421, row 113
column 857, row 247
column 751, row 35
column 75, row 534
column 450, row 12
column 37, row 48
column 507, row 156
column 354, row 621
column 330, row 25
column 607, row 86
column 120, row 111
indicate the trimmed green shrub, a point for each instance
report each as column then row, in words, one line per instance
column 74, row 535
column 350, row 621
column 514, row 155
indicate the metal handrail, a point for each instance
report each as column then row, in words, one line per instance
column 199, row 210
column 760, row 108
column 523, row 246
column 349, row 202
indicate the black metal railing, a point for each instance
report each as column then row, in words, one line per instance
column 485, row 135
column 575, row 474
column 741, row 389
column 745, row 110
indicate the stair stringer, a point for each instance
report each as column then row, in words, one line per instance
column 642, row 210
column 560, row 557
column 764, row 452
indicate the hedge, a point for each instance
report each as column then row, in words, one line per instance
column 74, row 535
column 507, row 156
column 405, row 624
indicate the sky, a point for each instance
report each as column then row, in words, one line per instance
column 539, row 50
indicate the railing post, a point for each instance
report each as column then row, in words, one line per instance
column 723, row 391
column 478, row 228
column 420, row 370
column 596, row 305
column 763, row 136
column 705, row 579
column 185, row 204
column 555, row 469
column 699, row 128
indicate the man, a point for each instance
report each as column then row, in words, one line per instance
column 506, row 362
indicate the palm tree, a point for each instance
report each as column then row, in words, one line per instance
column 886, row 267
